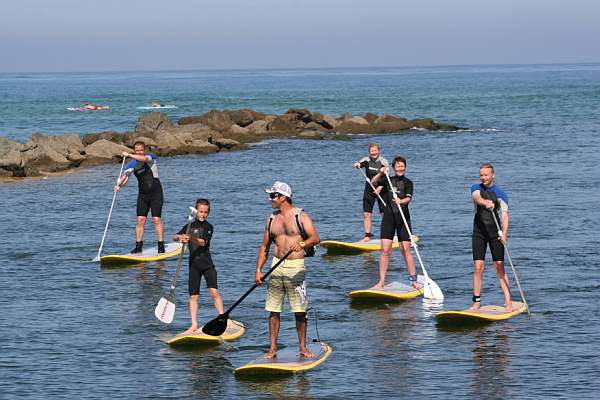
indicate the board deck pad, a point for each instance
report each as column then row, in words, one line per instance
column 484, row 314
column 288, row 361
column 151, row 254
column 392, row 291
column 338, row 247
column 234, row 331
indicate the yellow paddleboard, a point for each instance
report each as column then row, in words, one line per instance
column 337, row 247
column 234, row 331
column 394, row 291
column 484, row 314
column 288, row 361
column 152, row 254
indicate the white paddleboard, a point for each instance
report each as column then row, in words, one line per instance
column 487, row 313
column 234, row 331
column 167, row 106
column 288, row 361
column 393, row 291
column 151, row 254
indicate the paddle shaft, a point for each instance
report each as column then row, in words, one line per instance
column 510, row 262
column 110, row 212
column 371, row 184
column 226, row 313
column 412, row 242
column 171, row 295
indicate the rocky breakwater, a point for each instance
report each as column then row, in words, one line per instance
column 208, row 133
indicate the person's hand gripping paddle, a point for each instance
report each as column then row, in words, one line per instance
column 165, row 309
column 97, row 258
column 217, row 326
column 430, row 290
column 372, row 187
column 500, row 234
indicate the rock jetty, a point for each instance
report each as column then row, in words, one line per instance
column 209, row 133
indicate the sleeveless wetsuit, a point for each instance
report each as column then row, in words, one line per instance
column 392, row 222
column 201, row 262
column 485, row 231
column 150, row 195
column 371, row 169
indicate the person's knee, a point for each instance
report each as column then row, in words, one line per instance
column 194, row 298
column 499, row 265
column 141, row 220
column 214, row 292
column 156, row 220
column 301, row 317
column 367, row 215
column 479, row 266
column 386, row 251
column 274, row 316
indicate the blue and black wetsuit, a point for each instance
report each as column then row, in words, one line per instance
column 201, row 262
column 150, row 195
column 485, row 231
column 392, row 222
column 372, row 167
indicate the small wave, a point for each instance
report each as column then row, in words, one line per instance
column 481, row 130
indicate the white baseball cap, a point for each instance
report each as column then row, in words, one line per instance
column 281, row 188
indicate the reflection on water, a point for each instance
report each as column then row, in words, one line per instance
column 491, row 362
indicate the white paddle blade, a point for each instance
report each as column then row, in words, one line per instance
column 432, row 291
column 165, row 311
column 96, row 259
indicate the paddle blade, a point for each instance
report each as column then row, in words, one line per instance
column 432, row 291
column 217, row 326
column 96, row 259
column 165, row 311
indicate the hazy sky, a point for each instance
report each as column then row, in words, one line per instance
column 98, row 35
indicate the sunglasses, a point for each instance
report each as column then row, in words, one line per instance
column 274, row 195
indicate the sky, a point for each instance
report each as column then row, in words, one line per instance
column 121, row 35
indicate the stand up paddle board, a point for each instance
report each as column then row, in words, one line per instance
column 167, row 106
column 152, row 254
column 484, row 314
column 337, row 247
column 288, row 361
column 234, row 331
column 394, row 291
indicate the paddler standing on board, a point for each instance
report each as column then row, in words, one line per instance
column 489, row 198
column 392, row 222
column 150, row 195
column 372, row 164
column 284, row 228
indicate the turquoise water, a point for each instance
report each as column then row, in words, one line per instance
column 71, row 328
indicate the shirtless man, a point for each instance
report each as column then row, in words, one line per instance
column 488, row 198
column 372, row 164
column 288, row 280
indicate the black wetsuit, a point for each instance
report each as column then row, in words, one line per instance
column 201, row 262
column 150, row 195
column 372, row 167
column 392, row 222
column 485, row 231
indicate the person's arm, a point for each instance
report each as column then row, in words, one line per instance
column 181, row 236
column 313, row 238
column 480, row 201
column 125, row 177
column 145, row 158
column 362, row 163
column 206, row 236
column 263, row 254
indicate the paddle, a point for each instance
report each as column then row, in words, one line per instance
column 217, row 326
column 165, row 309
column 430, row 290
column 500, row 234
column 374, row 191
column 97, row 258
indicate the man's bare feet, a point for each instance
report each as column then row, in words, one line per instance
column 379, row 285
column 417, row 285
column 476, row 306
column 192, row 329
column 271, row 354
column 365, row 239
column 508, row 307
column 307, row 354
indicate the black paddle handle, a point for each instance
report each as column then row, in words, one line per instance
column 256, row 284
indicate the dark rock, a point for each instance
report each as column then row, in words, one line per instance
column 89, row 138
column 150, row 122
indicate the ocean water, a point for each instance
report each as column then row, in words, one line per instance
column 71, row 328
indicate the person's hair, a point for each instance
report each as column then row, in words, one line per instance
column 373, row 145
column 487, row 165
column 139, row 143
column 203, row 202
column 397, row 160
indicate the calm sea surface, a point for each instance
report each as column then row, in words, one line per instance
column 72, row 329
